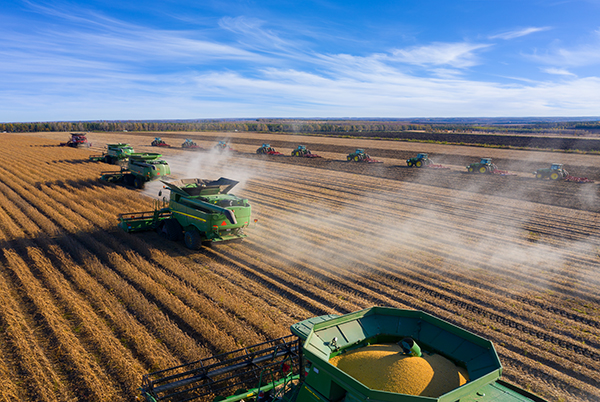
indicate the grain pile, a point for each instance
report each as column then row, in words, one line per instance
column 383, row 367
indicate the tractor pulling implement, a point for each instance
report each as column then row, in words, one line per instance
column 361, row 156
column 199, row 211
column 302, row 151
column 485, row 166
column 422, row 160
column 307, row 365
column 158, row 142
column 557, row 172
column 189, row 144
column 267, row 149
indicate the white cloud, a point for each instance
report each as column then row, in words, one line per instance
column 458, row 55
column 518, row 33
column 558, row 71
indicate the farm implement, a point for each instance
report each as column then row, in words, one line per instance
column 422, row 160
column 361, row 156
column 78, row 140
column 222, row 146
column 199, row 211
column 557, row 172
column 267, row 149
column 485, row 166
column 302, row 151
column 189, row 144
column 158, row 142
column 115, row 154
column 141, row 168
column 378, row 354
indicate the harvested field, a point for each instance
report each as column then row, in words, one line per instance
column 88, row 309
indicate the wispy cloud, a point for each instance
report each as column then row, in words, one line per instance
column 459, row 55
column 587, row 54
column 558, row 71
column 518, row 33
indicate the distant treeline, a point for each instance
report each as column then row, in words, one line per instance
column 342, row 127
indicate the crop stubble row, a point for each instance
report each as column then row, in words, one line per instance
column 354, row 266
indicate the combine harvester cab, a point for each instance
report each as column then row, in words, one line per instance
column 361, row 156
column 78, row 140
column 199, row 211
column 158, row 142
column 422, row 160
column 485, row 166
column 379, row 355
column 141, row 168
column 267, row 149
column 116, row 154
column 557, row 172
column 302, row 151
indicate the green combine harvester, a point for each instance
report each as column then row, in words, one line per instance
column 199, row 211
column 375, row 355
column 116, row 154
column 141, row 168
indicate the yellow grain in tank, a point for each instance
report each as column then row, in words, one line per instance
column 384, row 367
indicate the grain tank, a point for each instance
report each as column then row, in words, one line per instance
column 307, row 371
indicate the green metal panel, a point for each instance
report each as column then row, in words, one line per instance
column 303, row 328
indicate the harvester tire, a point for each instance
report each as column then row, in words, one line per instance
column 170, row 229
column 138, row 183
column 470, row 170
column 348, row 158
column 554, row 176
column 419, row 164
column 483, row 169
column 356, row 158
column 192, row 239
column 129, row 179
column 539, row 176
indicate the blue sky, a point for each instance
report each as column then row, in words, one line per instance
column 134, row 60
